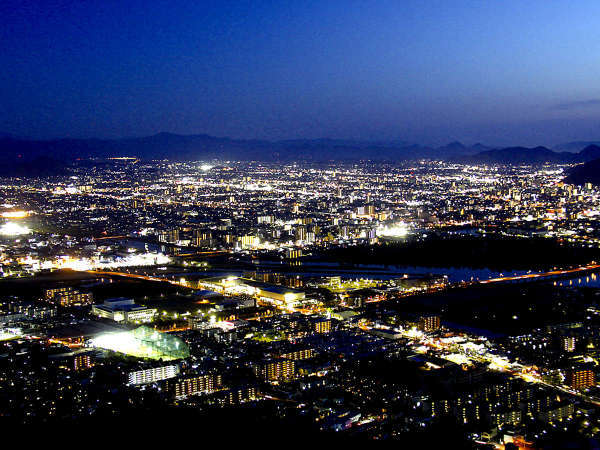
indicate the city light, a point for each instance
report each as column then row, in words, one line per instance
column 397, row 230
column 13, row 229
column 15, row 214
column 124, row 342
column 142, row 342
column 350, row 229
column 10, row 333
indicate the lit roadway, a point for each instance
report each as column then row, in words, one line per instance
column 137, row 277
column 529, row 276
column 197, row 253
column 552, row 273
column 581, row 395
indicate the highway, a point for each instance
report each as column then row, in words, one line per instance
column 552, row 273
column 508, row 279
column 136, row 276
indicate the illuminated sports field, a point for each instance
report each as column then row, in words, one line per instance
column 143, row 342
column 6, row 335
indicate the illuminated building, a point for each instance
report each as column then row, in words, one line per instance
column 277, row 370
column 282, row 294
column 202, row 238
column 241, row 395
column 33, row 310
column 560, row 412
column 568, row 343
column 322, row 326
column 581, row 378
column 82, row 362
column 440, row 408
column 512, row 417
column 293, row 253
column 169, row 236
column 265, row 219
column 429, row 323
column 67, row 296
column 365, row 211
column 296, row 355
column 198, row 384
column 249, row 241
column 124, row 310
column 300, row 233
column 153, row 374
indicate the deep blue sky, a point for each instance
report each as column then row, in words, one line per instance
column 497, row 71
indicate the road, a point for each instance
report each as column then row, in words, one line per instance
column 136, row 276
column 552, row 273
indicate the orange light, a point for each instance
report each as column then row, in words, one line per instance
column 15, row 214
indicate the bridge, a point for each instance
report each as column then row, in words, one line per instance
column 190, row 251
column 559, row 273
column 137, row 277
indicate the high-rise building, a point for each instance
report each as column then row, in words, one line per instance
column 197, row 384
column 293, row 253
column 82, row 362
column 67, row 296
column 276, row 370
column 169, row 236
column 240, row 395
column 249, row 241
column 568, row 343
column 581, row 378
column 153, row 374
column 297, row 355
column 322, row 326
column 300, row 233
column 429, row 323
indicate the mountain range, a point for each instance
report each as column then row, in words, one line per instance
column 524, row 155
column 202, row 147
column 18, row 151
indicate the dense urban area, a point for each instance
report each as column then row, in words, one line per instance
column 370, row 301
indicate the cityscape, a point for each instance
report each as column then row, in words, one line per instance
column 363, row 290
column 226, row 285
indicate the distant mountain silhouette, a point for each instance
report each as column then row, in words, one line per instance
column 590, row 153
column 202, row 147
column 586, row 173
column 455, row 149
column 513, row 155
column 205, row 147
column 574, row 146
column 524, row 155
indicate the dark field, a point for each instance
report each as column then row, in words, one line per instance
column 495, row 253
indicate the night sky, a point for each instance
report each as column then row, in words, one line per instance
column 499, row 72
